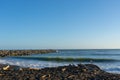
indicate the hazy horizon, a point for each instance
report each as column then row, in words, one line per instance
column 60, row 24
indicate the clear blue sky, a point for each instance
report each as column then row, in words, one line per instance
column 54, row 24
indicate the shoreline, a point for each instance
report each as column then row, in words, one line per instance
column 70, row 72
column 5, row 53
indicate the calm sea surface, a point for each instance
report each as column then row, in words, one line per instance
column 106, row 59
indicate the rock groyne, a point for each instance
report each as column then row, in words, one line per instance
column 4, row 53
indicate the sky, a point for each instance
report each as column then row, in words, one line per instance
column 59, row 24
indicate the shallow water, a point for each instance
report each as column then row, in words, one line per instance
column 108, row 60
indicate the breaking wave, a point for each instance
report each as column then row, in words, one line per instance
column 60, row 59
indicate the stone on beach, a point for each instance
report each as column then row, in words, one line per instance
column 70, row 72
column 6, row 68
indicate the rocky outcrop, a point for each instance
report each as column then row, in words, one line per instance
column 4, row 53
column 71, row 72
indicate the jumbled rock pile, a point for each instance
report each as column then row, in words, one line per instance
column 4, row 53
column 71, row 72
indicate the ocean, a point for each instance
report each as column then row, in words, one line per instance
column 106, row 59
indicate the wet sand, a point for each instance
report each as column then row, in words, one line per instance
column 70, row 72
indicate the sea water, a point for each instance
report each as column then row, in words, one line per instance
column 106, row 59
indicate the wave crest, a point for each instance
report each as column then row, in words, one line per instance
column 68, row 59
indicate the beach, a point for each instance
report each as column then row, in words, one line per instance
column 58, row 65
column 70, row 72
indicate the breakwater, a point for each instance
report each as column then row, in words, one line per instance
column 4, row 53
